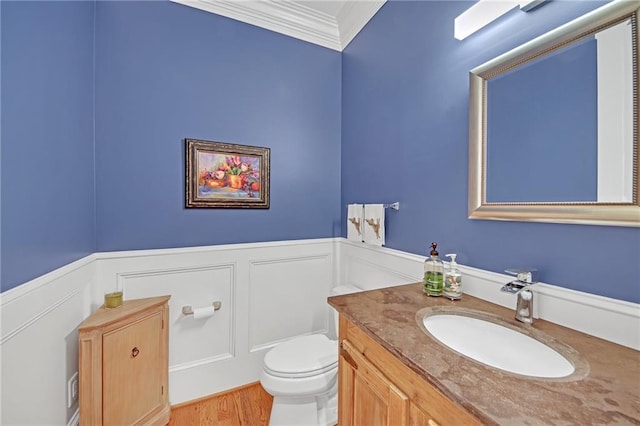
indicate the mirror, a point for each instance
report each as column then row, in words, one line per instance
column 535, row 155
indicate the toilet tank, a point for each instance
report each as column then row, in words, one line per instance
column 337, row 291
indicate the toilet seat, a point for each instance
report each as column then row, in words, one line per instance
column 302, row 357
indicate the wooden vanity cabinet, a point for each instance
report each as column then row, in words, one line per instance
column 367, row 396
column 375, row 388
column 123, row 364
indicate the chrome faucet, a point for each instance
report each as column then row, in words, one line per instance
column 524, row 304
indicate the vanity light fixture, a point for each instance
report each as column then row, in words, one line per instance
column 486, row 11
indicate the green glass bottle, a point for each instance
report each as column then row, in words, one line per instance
column 433, row 280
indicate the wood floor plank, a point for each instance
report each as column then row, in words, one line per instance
column 207, row 414
column 228, row 413
column 255, row 406
column 245, row 406
column 184, row 416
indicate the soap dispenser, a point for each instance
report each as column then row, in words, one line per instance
column 452, row 279
column 433, row 273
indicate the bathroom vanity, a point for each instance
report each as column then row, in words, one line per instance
column 392, row 371
column 376, row 388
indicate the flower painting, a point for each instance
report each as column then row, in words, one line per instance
column 223, row 175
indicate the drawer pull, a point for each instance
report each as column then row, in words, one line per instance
column 432, row 422
column 134, row 352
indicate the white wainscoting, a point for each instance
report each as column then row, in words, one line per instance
column 370, row 267
column 270, row 292
column 193, row 342
column 39, row 344
column 614, row 320
column 287, row 297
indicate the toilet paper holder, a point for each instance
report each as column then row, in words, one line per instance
column 188, row 309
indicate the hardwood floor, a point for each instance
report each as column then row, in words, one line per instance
column 248, row 405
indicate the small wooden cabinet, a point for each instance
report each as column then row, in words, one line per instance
column 124, row 361
column 375, row 388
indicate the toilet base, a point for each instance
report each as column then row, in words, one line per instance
column 320, row 410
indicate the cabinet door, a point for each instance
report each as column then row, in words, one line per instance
column 367, row 397
column 132, row 368
column 417, row 417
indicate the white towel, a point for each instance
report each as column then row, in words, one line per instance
column 374, row 224
column 354, row 222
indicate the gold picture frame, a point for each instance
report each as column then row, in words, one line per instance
column 226, row 175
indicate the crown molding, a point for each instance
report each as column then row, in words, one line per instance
column 353, row 16
column 296, row 19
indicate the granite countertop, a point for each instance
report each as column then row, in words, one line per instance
column 605, row 389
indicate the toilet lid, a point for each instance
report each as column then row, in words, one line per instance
column 302, row 357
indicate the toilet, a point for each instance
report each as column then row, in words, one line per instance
column 302, row 376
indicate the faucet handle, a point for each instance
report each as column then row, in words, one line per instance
column 525, row 275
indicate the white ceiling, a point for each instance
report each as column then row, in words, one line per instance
column 329, row 23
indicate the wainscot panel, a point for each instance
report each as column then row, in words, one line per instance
column 288, row 298
column 193, row 341
column 269, row 292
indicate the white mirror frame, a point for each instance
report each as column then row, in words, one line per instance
column 587, row 213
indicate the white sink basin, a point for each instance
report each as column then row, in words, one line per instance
column 498, row 346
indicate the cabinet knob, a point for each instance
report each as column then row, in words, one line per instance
column 134, row 352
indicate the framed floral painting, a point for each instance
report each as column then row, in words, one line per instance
column 224, row 175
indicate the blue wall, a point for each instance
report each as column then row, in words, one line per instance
column 47, row 185
column 534, row 122
column 166, row 72
column 163, row 72
column 405, row 138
